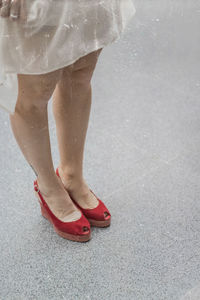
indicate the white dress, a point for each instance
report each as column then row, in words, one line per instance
column 56, row 34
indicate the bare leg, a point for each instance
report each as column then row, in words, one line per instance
column 30, row 127
column 71, row 108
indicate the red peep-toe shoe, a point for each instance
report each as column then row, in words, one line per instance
column 98, row 216
column 78, row 230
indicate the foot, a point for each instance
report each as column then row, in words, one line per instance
column 78, row 190
column 59, row 201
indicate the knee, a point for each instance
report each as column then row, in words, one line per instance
column 28, row 108
column 35, row 100
column 34, row 92
column 84, row 68
column 83, row 77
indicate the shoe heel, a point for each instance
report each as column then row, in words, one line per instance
column 43, row 213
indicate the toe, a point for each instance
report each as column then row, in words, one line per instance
column 106, row 215
column 86, row 229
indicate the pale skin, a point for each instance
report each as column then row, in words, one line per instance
column 72, row 95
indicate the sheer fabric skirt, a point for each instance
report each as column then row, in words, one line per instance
column 56, row 33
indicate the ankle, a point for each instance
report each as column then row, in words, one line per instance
column 70, row 176
column 48, row 188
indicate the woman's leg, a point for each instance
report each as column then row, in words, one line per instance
column 71, row 108
column 30, row 128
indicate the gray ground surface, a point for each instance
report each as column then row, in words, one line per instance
column 141, row 159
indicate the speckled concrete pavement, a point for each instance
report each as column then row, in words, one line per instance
column 141, row 159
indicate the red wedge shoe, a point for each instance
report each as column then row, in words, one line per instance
column 98, row 216
column 78, row 230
